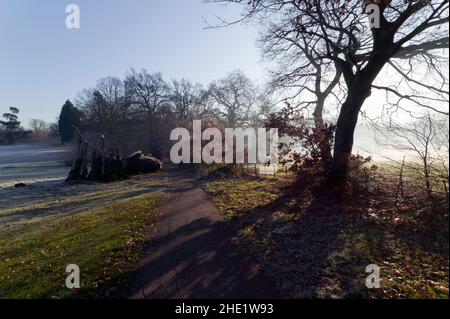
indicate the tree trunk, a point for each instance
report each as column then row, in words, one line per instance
column 325, row 147
column 426, row 172
column 84, row 160
column 318, row 111
column 346, row 124
column 79, row 166
column 96, row 173
column 359, row 89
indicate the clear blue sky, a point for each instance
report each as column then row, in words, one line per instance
column 42, row 63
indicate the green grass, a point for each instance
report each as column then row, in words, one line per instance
column 104, row 242
column 315, row 247
column 234, row 197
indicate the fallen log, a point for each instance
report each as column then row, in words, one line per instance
column 138, row 163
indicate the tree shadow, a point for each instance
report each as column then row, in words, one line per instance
column 306, row 251
column 318, row 250
column 198, row 260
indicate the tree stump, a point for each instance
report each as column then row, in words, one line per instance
column 79, row 168
column 96, row 173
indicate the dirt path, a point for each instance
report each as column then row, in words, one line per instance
column 192, row 255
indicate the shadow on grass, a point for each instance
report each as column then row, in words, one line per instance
column 319, row 248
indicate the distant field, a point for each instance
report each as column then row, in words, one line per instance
column 30, row 163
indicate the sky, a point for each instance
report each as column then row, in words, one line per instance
column 43, row 63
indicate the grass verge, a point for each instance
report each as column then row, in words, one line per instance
column 104, row 242
column 314, row 246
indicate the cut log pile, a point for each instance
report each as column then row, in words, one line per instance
column 109, row 167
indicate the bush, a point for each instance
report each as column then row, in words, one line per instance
column 360, row 173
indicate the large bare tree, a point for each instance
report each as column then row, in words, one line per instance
column 148, row 91
column 358, row 44
column 106, row 105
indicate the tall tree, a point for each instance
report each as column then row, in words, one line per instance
column 11, row 125
column 106, row 106
column 150, row 100
column 360, row 38
column 148, row 92
column 69, row 118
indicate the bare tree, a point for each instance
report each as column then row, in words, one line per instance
column 148, row 92
column 259, row 114
column 150, row 98
column 235, row 98
column 38, row 126
column 441, row 149
column 106, row 105
column 420, row 138
column 185, row 98
column 360, row 45
column 303, row 79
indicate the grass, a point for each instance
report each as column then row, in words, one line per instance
column 235, row 198
column 104, row 242
column 80, row 199
column 315, row 246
